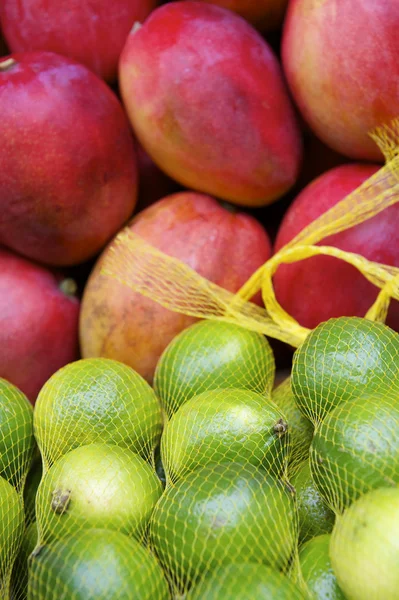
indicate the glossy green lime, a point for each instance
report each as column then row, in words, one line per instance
column 31, row 484
column 342, row 359
column 97, row 486
column 317, row 572
column 96, row 564
column 210, row 355
column 221, row 514
column 315, row 517
column 12, row 523
column 244, row 582
column 300, row 428
column 19, row 581
column 17, row 443
column 356, row 449
column 96, row 400
column 226, row 425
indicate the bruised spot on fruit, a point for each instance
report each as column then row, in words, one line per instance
column 60, row 501
column 170, row 126
column 281, row 428
column 7, row 64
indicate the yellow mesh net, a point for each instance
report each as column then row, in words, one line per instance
column 216, row 486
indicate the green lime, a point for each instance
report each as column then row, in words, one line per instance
column 19, row 582
column 12, row 523
column 315, row 517
column 31, row 484
column 316, row 569
column 244, row 582
column 96, row 400
column 96, row 564
column 96, row 486
column 356, row 449
column 300, row 428
column 221, row 514
column 364, row 547
column 210, row 355
column 226, row 425
column 17, row 443
column 339, row 360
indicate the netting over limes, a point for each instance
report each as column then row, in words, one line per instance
column 253, row 477
column 96, row 400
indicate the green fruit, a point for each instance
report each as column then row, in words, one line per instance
column 225, row 426
column 210, row 355
column 315, row 517
column 11, row 531
column 19, row 583
column 221, row 514
column 342, row 359
column 244, row 582
column 159, row 468
column 31, row 484
column 96, row 564
column 96, row 400
column 364, row 547
column 17, row 443
column 316, row 569
column 96, row 486
column 300, row 428
column 356, row 449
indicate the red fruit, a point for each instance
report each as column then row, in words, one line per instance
column 263, row 14
column 38, row 323
column 319, row 288
column 67, row 160
column 207, row 100
column 223, row 246
column 340, row 58
column 93, row 33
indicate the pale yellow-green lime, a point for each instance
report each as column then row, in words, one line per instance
column 210, row 355
column 221, row 514
column 364, row 547
column 96, row 564
column 96, row 400
column 17, row 443
column 342, row 359
column 227, row 425
column 11, row 532
column 96, row 486
column 244, row 581
column 300, row 428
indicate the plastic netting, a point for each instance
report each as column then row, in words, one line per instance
column 265, row 491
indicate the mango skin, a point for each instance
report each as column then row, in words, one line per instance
column 206, row 97
column 343, row 80
column 67, row 159
column 223, row 246
column 322, row 287
column 88, row 32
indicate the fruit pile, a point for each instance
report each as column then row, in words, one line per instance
column 156, row 159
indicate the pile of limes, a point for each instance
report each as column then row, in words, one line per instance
column 210, row 485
